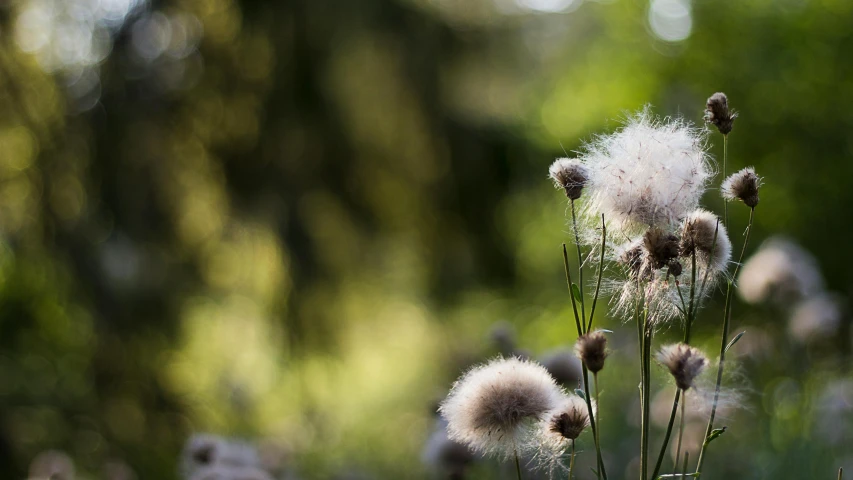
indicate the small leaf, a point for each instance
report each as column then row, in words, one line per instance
column 714, row 434
column 594, row 471
column 576, row 292
column 605, row 330
column 734, row 340
column 580, row 393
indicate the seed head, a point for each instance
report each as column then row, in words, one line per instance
column 650, row 172
column 632, row 257
column 743, row 186
column 717, row 112
column 569, row 174
column 684, row 362
column 52, row 464
column 780, row 271
column 702, row 233
column 592, row 350
column 570, row 419
column 492, row 407
column 661, row 247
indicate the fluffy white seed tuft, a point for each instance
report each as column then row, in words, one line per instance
column 493, row 407
column 703, row 233
column 781, row 271
column 650, row 172
column 569, row 174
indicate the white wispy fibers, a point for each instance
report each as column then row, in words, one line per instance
column 703, row 233
column 816, row 317
column 643, row 281
column 650, row 172
column 557, row 429
column 780, row 271
column 493, row 407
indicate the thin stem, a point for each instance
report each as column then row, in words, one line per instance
column 727, row 314
column 668, row 434
column 597, row 433
column 680, row 430
column 691, row 310
column 580, row 264
column 572, row 461
column 684, row 468
column 644, row 441
column 840, row 472
column 517, row 465
column 592, row 423
column 725, row 158
column 600, row 270
column 571, row 294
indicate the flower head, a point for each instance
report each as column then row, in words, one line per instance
column 569, row 174
column 569, row 419
column 592, row 350
column 717, row 112
column 703, row 234
column 492, row 407
column 780, row 271
column 743, row 186
column 684, row 362
column 649, row 172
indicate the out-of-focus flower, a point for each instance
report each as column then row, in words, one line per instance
column 815, row 317
column 52, row 465
column 780, row 271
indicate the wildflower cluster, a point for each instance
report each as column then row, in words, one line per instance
column 642, row 183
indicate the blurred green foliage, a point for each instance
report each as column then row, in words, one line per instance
column 300, row 225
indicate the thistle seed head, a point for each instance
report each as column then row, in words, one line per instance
column 684, row 362
column 571, row 419
column 703, row 233
column 717, row 112
column 592, row 350
column 491, row 407
column 569, row 174
column 743, row 186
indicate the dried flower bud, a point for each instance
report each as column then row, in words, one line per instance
column 743, row 186
column 684, row 362
column 592, row 350
column 675, row 268
column 633, row 259
column 717, row 112
column 571, row 419
column 569, row 174
column 661, row 247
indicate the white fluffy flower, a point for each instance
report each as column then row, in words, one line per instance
column 815, row 318
column 650, row 172
column 557, row 429
column 494, row 407
column 704, row 234
column 780, row 271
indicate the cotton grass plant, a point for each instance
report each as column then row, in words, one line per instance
column 634, row 201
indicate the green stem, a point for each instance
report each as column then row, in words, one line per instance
column 644, row 441
column 592, row 423
column 725, row 158
column 684, row 468
column 668, row 434
column 580, row 264
column 571, row 294
column 680, row 430
column 600, row 271
column 572, row 461
column 727, row 314
column 840, row 472
column 691, row 309
column 517, row 465
column 597, row 433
